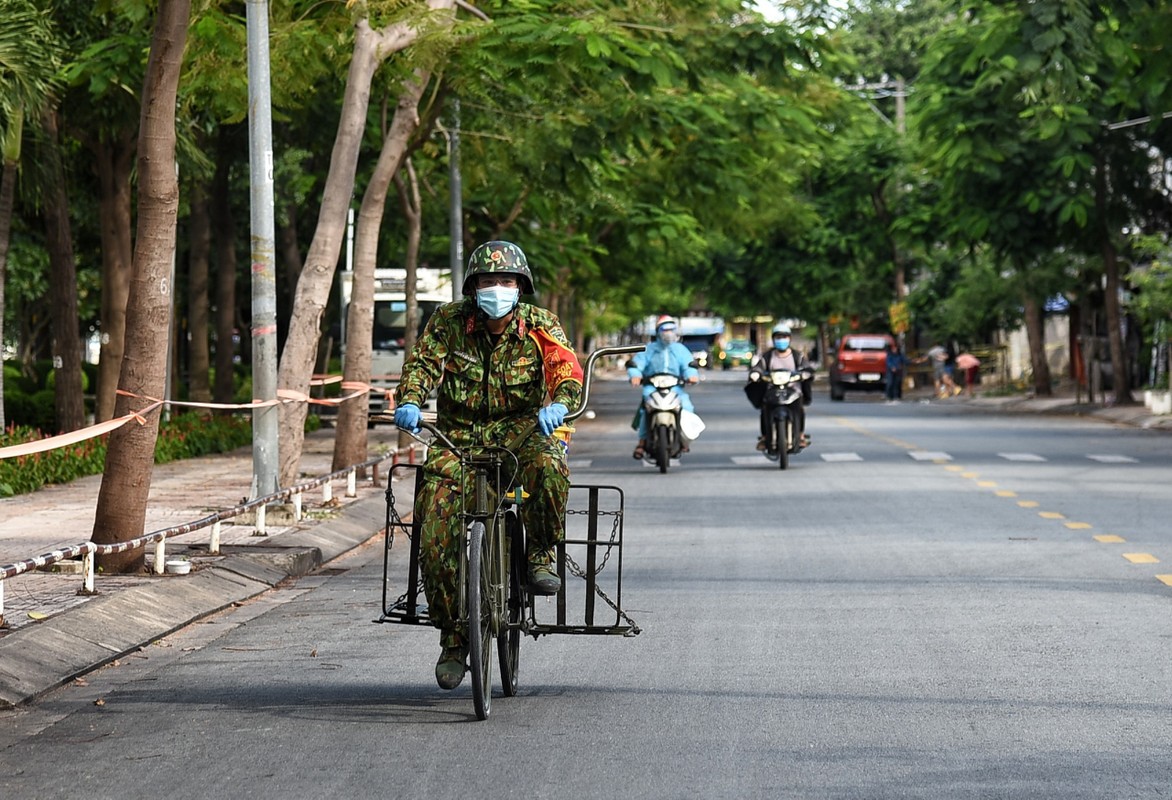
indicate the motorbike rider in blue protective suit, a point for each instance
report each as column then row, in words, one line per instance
column 663, row 354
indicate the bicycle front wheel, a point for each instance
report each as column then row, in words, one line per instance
column 480, row 619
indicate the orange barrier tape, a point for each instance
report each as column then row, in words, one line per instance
column 357, row 389
column 73, row 437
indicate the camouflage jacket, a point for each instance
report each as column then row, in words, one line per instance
column 489, row 391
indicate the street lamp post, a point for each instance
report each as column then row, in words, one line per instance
column 265, row 461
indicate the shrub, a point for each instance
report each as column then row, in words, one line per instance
column 183, row 436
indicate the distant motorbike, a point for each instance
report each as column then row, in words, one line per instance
column 780, row 410
column 662, row 407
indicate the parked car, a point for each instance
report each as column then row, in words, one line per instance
column 860, row 363
column 736, row 352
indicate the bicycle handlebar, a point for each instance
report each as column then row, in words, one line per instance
column 587, row 374
column 588, row 370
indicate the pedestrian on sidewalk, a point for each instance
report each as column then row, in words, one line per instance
column 970, row 365
column 896, row 369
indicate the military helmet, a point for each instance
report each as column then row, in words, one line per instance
column 497, row 256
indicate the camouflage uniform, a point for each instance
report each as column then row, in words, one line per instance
column 489, row 392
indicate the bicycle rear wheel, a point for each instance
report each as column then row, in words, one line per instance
column 508, row 640
column 480, row 619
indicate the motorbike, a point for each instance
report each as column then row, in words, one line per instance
column 662, row 408
column 779, row 403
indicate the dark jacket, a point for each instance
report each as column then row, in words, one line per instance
column 755, row 390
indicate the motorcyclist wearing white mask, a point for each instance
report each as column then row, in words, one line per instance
column 663, row 354
column 782, row 355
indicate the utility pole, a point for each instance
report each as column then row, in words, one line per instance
column 265, row 461
column 456, row 223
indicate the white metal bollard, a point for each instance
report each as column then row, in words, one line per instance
column 297, row 507
column 160, row 556
column 327, row 493
column 1, row 600
column 214, row 544
column 352, row 483
column 260, row 521
column 87, row 562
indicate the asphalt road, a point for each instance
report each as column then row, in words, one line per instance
column 929, row 603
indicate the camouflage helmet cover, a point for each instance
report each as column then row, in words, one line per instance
column 498, row 256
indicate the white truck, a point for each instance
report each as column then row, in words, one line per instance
column 433, row 288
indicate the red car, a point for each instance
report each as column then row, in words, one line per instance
column 860, row 362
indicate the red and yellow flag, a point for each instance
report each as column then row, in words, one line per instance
column 561, row 364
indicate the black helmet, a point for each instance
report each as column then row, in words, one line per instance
column 498, row 257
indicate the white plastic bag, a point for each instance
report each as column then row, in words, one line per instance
column 691, row 426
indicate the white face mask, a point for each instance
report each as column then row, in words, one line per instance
column 496, row 301
column 668, row 337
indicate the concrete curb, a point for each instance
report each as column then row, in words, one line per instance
column 39, row 658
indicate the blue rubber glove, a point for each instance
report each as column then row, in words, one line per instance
column 407, row 416
column 551, row 417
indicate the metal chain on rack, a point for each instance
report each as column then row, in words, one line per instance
column 577, row 570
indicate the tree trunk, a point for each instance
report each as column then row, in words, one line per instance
column 113, row 162
column 316, row 280
column 1120, row 371
column 69, row 399
column 198, row 302
column 350, row 439
column 7, row 196
column 1036, row 334
column 130, row 457
column 224, row 391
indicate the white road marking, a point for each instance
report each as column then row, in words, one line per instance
column 1113, row 459
column 1021, row 457
column 751, row 461
column 841, row 457
column 929, row 455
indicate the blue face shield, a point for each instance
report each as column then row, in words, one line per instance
column 781, row 343
column 496, row 301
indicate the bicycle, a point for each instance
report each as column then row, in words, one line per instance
column 494, row 601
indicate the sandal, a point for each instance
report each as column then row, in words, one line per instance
column 639, row 453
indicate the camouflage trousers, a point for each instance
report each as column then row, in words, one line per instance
column 545, row 478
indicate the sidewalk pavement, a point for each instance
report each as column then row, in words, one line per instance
column 51, row 634
column 1063, row 402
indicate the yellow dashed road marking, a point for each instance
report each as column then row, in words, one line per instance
column 986, row 484
column 1005, row 493
column 1028, row 503
column 1109, row 538
column 1141, row 558
column 970, row 474
column 1165, row 579
column 954, row 468
column 1078, row 526
column 1051, row 515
